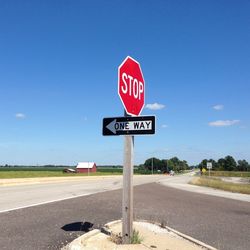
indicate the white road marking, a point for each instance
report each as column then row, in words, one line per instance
column 47, row 202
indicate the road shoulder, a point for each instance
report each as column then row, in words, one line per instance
column 182, row 184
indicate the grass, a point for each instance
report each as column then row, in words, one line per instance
column 28, row 174
column 222, row 185
column 228, row 173
column 33, row 172
column 136, row 238
column 46, row 173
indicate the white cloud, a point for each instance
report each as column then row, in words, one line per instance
column 20, row 115
column 155, row 106
column 218, row 107
column 223, row 123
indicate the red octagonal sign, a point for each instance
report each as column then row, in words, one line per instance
column 131, row 86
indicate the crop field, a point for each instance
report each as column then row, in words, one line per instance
column 33, row 172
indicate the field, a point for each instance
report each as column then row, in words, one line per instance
column 26, row 172
column 222, row 185
column 228, row 174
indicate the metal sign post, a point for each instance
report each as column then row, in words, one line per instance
column 127, row 200
column 131, row 89
column 209, row 167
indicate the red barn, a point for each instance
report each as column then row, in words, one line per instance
column 86, row 167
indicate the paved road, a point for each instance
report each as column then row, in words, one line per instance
column 181, row 182
column 220, row 222
column 24, row 194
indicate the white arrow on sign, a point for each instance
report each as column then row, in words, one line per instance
column 115, row 126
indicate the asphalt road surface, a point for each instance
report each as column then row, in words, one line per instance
column 220, row 222
column 42, row 190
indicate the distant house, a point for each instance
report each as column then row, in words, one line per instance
column 86, row 167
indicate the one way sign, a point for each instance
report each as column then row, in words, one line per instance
column 139, row 125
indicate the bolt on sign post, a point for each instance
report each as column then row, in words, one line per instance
column 131, row 90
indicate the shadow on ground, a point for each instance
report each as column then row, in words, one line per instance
column 78, row 227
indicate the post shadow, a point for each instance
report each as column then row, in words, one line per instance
column 78, row 227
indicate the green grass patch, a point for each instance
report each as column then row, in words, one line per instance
column 120, row 170
column 28, row 174
column 222, row 185
column 228, row 173
column 36, row 174
column 109, row 170
column 33, row 172
column 136, row 238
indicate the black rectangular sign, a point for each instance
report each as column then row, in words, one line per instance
column 138, row 125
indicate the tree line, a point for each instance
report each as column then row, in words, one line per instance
column 165, row 165
column 227, row 163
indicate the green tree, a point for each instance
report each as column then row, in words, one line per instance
column 214, row 164
column 170, row 165
column 164, row 165
column 155, row 162
column 185, row 165
column 221, row 164
column 243, row 165
column 203, row 164
column 230, row 163
column 177, row 165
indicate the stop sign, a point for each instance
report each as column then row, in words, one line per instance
column 131, row 87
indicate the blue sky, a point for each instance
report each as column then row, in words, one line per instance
column 58, row 79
